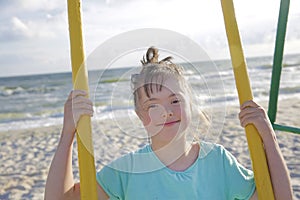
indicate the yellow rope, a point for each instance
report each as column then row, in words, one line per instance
column 88, row 189
column 257, row 153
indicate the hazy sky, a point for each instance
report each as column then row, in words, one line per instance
column 34, row 34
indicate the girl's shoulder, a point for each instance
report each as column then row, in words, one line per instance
column 210, row 149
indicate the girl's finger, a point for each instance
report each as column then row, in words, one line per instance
column 75, row 93
column 87, row 112
column 253, row 114
column 81, row 112
column 249, row 103
column 84, row 106
column 250, row 110
column 247, row 121
column 82, row 99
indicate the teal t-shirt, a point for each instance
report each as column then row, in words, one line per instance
column 215, row 175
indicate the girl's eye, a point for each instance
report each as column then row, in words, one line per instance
column 175, row 101
column 152, row 106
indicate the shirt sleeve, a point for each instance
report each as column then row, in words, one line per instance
column 109, row 179
column 239, row 180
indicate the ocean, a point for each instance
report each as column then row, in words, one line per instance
column 38, row 100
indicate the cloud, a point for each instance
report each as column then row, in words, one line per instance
column 14, row 29
column 36, row 31
column 19, row 26
column 30, row 6
column 293, row 28
column 31, row 19
column 34, row 39
column 48, row 27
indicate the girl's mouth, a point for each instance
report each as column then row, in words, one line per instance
column 170, row 123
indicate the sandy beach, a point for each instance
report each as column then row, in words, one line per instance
column 26, row 154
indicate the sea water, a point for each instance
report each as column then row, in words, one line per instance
column 38, row 100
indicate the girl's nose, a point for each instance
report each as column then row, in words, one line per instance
column 167, row 113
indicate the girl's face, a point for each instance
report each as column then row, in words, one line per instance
column 166, row 113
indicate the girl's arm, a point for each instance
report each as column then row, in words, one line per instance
column 60, row 183
column 60, row 176
column 252, row 113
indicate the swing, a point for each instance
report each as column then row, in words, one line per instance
column 80, row 81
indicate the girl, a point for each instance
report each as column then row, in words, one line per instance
column 169, row 167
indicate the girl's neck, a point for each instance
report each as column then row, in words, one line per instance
column 177, row 155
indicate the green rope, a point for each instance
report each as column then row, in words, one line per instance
column 277, row 60
column 277, row 67
column 286, row 128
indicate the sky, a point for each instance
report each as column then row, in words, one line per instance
column 34, row 35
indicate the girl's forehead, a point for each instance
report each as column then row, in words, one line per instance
column 167, row 87
column 173, row 85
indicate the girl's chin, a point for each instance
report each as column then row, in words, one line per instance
column 167, row 136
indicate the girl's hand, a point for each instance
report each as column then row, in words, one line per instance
column 252, row 113
column 76, row 106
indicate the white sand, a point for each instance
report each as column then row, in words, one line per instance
column 26, row 155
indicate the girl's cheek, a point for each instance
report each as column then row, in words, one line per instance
column 178, row 111
column 149, row 117
column 185, row 113
column 154, row 114
column 146, row 119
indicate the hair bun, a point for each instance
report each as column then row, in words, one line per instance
column 152, row 57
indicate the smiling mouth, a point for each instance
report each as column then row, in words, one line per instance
column 170, row 123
